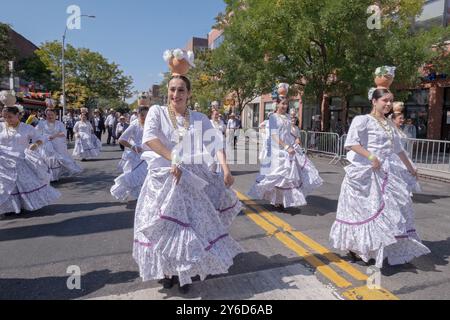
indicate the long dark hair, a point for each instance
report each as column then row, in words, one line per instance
column 379, row 93
column 14, row 110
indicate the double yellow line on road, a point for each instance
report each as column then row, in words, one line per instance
column 321, row 260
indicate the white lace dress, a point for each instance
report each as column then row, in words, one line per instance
column 87, row 145
column 24, row 176
column 128, row 185
column 183, row 229
column 55, row 152
column 375, row 217
column 284, row 179
column 221, row 128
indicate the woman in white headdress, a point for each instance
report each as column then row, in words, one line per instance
column 54, row 151
column 24, row 177
column 375, row 212
column 288, row 176
column 220, row 127
column 184, row 211
column 87, row 145
column 128, row 185
column 143, row 102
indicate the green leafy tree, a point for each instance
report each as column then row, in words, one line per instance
column 7, row 51
column 87, row 72
column 324, row 46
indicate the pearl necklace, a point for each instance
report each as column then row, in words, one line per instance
column 186, row 122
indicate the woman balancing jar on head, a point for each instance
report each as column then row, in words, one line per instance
column 221, row 128
column 375, row 208
column 291, row 176
column 87, row 145
column 54, row 150
column 184, row 211
column 128, row 185
column 24, row 177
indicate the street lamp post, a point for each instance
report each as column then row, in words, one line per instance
column 63, row 98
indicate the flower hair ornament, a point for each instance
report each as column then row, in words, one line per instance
column 143, row 99
column 8, row 98
column 179, row 61
column 371, row 92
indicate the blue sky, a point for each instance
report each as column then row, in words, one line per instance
column 132, row 33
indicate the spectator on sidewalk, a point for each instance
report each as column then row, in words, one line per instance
column 98, row 124
column 410, row 129
column 110, row 123
column 120, row 128
column 69, row 121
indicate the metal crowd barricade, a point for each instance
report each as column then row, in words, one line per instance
column 432, row 155
column 324, row 143
column 342, row 152
column 304, row 138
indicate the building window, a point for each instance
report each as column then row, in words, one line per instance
column 417, row 109
column 358, row 105
column 268, row 108
column 217, row 42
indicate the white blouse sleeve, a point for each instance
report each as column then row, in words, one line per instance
column 76, row 127
column 33, row 134
column 60, row 127
column 358, row 132
column 152, row 127
column 398, row 148
column 129, row 134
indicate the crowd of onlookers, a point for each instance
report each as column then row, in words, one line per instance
column 111, row 122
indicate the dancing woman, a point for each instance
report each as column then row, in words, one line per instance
column 184, row 211
column 375, row 207
column 128, row 185
column 54, row 150
column 87, row 145
column 290, row 176
column 24, row 177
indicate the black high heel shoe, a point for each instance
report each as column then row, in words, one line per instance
column 184, row 289
column 168, row 283
column 354, row 257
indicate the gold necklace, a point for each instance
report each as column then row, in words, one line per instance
column 386, row 127
column 186, row 122
column 11, row 129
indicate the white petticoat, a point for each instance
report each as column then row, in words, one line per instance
column 288, row 181
column 59, row 164
column 24, row 182
column 129, row 184
column 375, row 216
column 183, row 229
column 87, row 146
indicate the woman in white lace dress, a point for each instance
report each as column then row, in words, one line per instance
column 54, row 150
column 87, row 145
column 128, row 185
column 291, row 176
column 24, row 177
column 185, row 210
column 221, row 128
column 375, row 207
